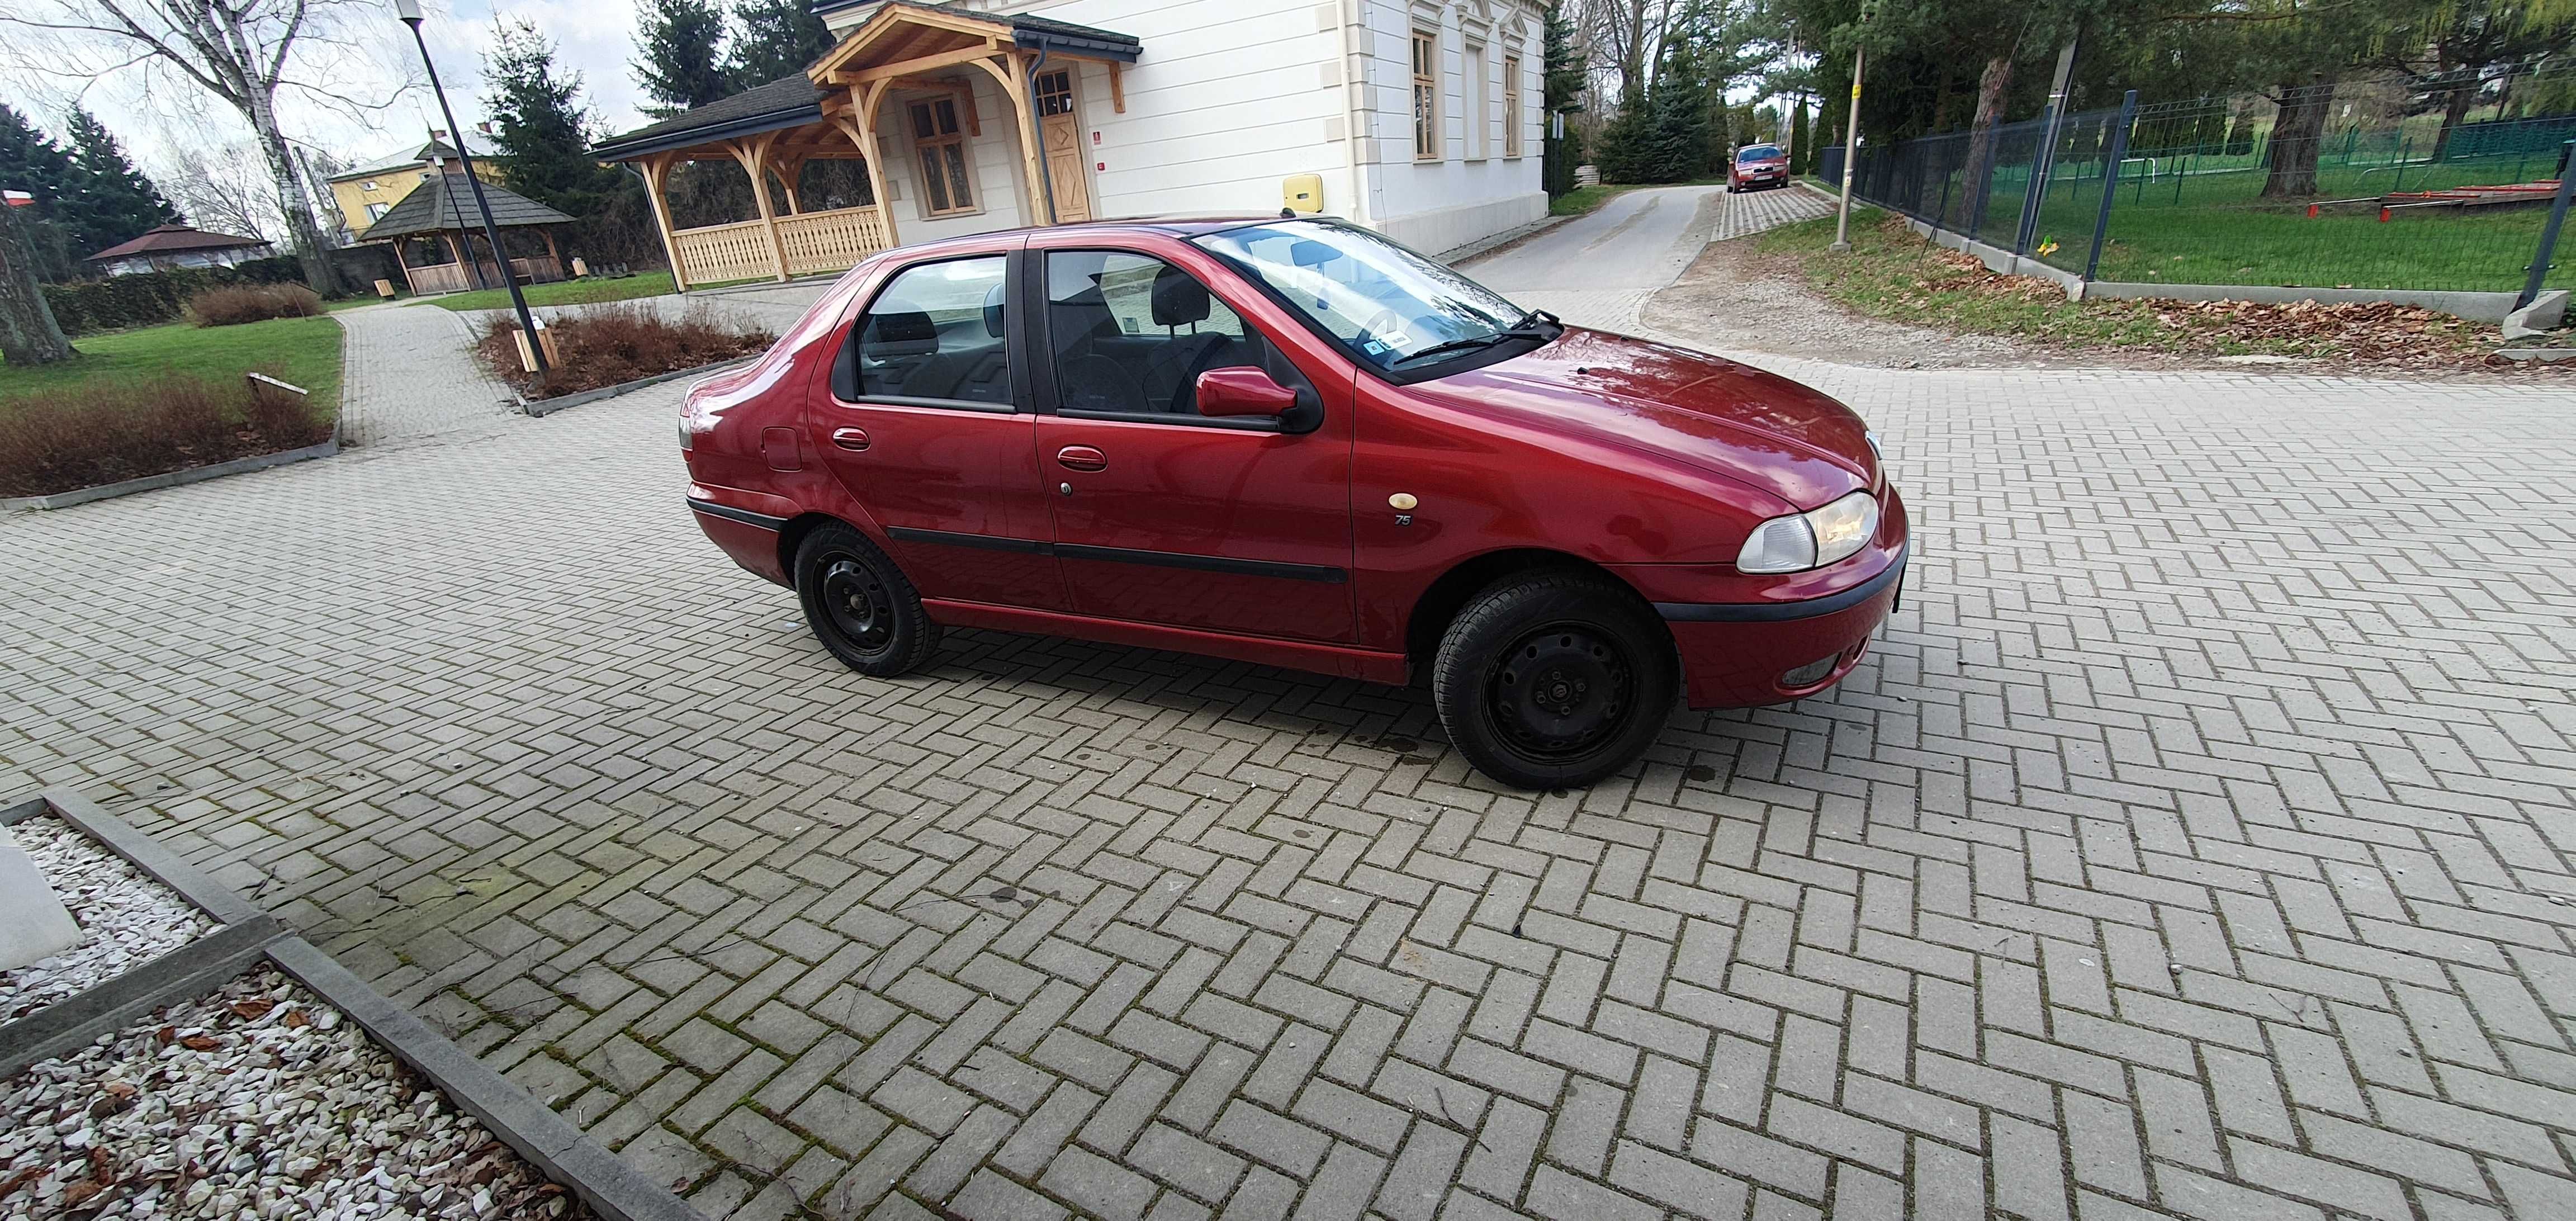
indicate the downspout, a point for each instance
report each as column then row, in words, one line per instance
column 1035, row 133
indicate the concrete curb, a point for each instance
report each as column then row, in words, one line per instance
column 546, row 407
column 2545, row 313
column 2542, row 355
column 170, row 479
column 612, row 1189
column 2473, row 306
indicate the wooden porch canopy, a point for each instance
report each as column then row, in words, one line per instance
column 830, row 111
column 443, row 207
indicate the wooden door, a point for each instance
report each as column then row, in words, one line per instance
column 1060, row 134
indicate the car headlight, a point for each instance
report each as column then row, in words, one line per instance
column 1811, row 539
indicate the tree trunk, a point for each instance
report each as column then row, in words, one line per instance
column 2298, row 134
column 1991, row 87
column 28, row 334
column 301, row 233
column 2454, row 108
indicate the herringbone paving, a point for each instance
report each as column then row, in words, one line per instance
column 2194, row 842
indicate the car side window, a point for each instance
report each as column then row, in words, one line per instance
column 1129, row 335
column 933, row 333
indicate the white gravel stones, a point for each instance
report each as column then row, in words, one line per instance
column 126, row 918
column 258, row 1102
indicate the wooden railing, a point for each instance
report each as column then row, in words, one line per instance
column 831, row 241
column 454, row 278
column 712, row 254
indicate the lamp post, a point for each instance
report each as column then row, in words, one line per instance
column 409, row 11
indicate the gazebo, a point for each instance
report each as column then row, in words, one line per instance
column 441, row 209
column 933, row 62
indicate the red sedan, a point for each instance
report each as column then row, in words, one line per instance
column 1296, row 443
column 1757, row 166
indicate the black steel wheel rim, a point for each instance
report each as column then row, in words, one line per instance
column 1561, row 692
column 857, row 602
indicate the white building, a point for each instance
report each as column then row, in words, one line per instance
column 1420, row 120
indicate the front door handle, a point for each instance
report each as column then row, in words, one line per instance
column 850, row 438
column 1082, row 458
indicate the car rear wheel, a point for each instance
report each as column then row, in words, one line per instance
column 860, row 605
column 1554, row 680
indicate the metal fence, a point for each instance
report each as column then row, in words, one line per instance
column 2216, row 191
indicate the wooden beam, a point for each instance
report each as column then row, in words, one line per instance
column 926, row 63
column 657, row 170
column 1006, row 69
column 1117, row 88
column 754, row 155
column 863, row 133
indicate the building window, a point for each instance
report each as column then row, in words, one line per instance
column 371, row 185
column 1055, row 92
column 376, row 212
column 942, row 149
column 1511, row 105
column 1473, row 96
column 1426, row 96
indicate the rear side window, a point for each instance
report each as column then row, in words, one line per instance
column 1129, row 334
column 933, row 334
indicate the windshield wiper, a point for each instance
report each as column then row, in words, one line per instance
column 1522, row 329
column 1455, row 345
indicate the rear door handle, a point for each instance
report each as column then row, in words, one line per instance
column 1082, row 458
column 850, row 438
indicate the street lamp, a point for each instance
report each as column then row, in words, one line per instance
column 409, row 11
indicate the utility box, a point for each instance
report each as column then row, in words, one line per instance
column 1302, row 192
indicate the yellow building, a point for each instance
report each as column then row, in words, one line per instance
column 364, row 195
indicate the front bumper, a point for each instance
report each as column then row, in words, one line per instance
column 1739, row 655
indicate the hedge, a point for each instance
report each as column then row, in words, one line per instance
column 156, row 296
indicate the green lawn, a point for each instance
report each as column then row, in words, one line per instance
column 565, row 292
column 1891, row 273
column 2204, row 221
column 307, row 349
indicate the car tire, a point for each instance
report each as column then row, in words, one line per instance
column 1554, row 680
column 860, row 605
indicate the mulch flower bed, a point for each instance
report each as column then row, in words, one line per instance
column 256, row 1101
column 610, row 345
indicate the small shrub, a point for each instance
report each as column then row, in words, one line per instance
column 103, row 433
column 244, row 303
column 618, row 343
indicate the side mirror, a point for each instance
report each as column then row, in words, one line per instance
column 1244, row 391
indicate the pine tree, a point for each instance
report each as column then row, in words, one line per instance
column 117, row 203
column 538, row 117
column 30, row 161
column 774, row 39
column 1561, row 83
column 681, row 45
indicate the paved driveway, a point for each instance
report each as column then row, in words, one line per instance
column 2194, row 843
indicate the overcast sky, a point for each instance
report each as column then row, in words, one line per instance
column 155, row 112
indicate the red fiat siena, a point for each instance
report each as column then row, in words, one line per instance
column 1296, row 443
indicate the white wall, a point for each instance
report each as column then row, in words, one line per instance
column 1002, row 201
column 1230, row 97
column 1472, row 190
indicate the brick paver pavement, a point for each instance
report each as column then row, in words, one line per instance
column 411, row 374
column 2195, row 842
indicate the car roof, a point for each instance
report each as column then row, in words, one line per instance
column 1181, row 225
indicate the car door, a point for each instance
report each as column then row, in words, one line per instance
column 925, row 424
column 1162, row 515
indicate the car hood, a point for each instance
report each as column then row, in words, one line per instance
column 1721, row 416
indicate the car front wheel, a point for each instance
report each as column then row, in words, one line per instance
column 1554, row 680
column 860, row 605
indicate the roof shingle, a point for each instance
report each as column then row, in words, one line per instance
column 444, row 204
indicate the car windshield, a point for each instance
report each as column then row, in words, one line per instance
column 1758, row 152
column 1388, row 303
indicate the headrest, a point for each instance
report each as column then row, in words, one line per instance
column 1178, row 297
column 902, row 326
column 993, row 311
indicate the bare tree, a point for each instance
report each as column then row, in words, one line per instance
column 1625, row 36
column 243, row 52
column 221, row 189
